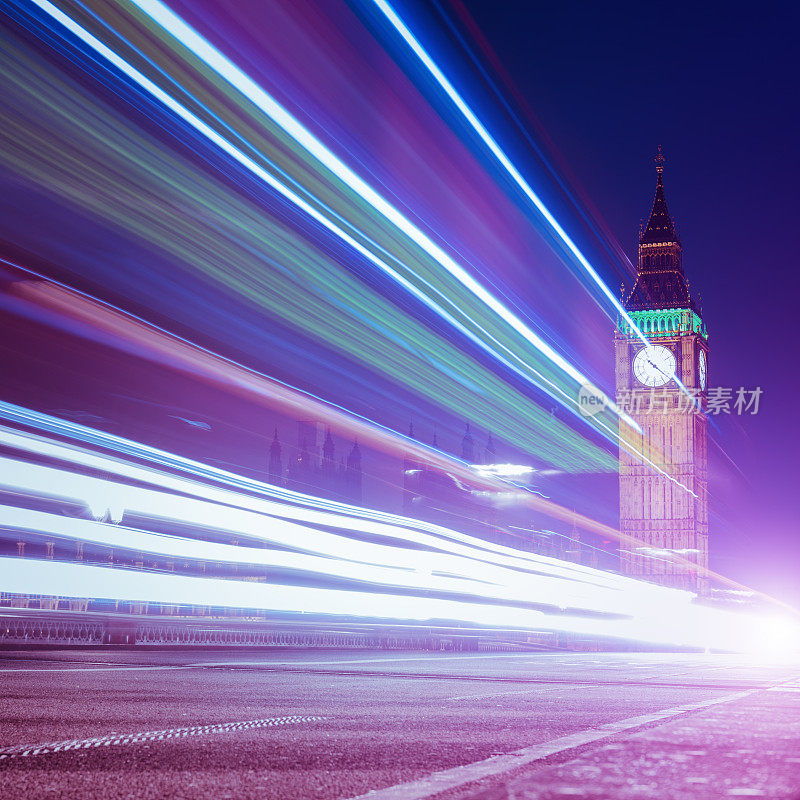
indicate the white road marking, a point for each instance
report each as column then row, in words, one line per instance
column 98, row 669
column 24, row 750
column 496, row 765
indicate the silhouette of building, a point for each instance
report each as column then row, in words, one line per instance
column 316, row 472
column 274, row 469
column 433, row 494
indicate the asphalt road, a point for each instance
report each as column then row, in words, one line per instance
column 322, row 724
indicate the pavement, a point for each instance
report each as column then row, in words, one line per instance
column 279, row 725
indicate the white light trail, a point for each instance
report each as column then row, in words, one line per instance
column 464, row 576
column 688, row 626
column 285, row 120
column 268, row 500
column 495, row 149
column 162, row 14
column 479, row 128
column 175, row 25
column 503, row 470
column 392, row 568
column 208, row 509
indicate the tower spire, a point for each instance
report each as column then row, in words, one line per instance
column 660, row 281
column 659, row 159
column 660, row 228
column 274, row 467
column 468, row 446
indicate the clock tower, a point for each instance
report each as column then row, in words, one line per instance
column 661, row 385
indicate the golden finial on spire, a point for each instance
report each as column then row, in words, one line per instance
column 659, row 159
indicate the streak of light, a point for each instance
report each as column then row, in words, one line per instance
column 193, row 468
column 499, row 154
column 240, row 511
column 305, row 138
column 503, row 470
column 178, row 28
column 467, row 575
column 479, row 128
column 388, row 566
column 674, row 623
column 211, row 56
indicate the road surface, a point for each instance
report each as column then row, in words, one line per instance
column 279, row 725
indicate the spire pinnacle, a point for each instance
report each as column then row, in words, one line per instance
column 660, row 282
column 659, row 159
column 468, row 446
column 660, row 228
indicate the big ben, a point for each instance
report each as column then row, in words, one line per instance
column 661, row 385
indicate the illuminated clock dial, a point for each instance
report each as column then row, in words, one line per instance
column 701, row 369
column 654, row 366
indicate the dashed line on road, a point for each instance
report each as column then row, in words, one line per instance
column 115, row 739
column 123, row 668
column 439, row 782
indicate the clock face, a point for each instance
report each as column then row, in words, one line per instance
column 701, row 369
column 654, row 366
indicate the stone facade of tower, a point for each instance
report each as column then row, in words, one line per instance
column 663, row 486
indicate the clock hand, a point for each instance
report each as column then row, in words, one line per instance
column 653, row 364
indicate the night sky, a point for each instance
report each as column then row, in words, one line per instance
column 716, row 86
